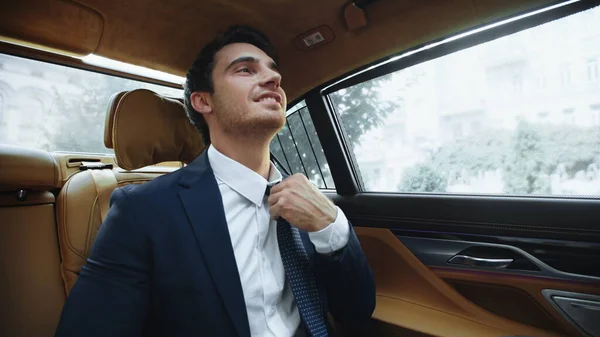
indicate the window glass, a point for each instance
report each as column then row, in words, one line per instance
column 516, row 115
column 58, row 108
column 298, row 150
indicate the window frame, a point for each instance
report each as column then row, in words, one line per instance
column 284, row 163
column 71, row 62
column 344, row 168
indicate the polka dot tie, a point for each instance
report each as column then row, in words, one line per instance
column 302, row 280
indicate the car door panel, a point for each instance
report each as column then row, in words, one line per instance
column 414, row 297
column 516, row 297
column 409, row 239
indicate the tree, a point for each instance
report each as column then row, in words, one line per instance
column 527, row 157
column 360, row 110
column 483, row 151
column 76, row 123
column 525, row 171
column 574, row 147
column 422, row 178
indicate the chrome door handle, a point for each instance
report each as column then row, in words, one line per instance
column 587, row 305
column 480, row 262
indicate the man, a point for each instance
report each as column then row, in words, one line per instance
column 225, row 246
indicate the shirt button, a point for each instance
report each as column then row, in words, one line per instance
column 272, row 311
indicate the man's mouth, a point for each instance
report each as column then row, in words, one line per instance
column 271, row 97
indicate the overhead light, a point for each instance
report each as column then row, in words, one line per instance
column 107, row 63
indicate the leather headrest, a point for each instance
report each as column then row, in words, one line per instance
column 23, row 167
column 149, row 129
column 110, row 117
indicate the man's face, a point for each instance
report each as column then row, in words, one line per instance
column 248, row 99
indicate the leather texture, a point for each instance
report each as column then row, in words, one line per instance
column 31, row 290
column 82, row 206
column 83, row 202
column 113, row 102
column 507, row 301
column 411, row 296
column 149, row 128
column 105, row 183
column 80, row 209
column 60, row 26
column 10, row 198
column 69, row 163
column 514, row 295
column 27, row 168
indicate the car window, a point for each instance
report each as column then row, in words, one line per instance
column 58, row 108
column 518, row 115
column 298, row 150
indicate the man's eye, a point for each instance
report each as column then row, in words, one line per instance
column 244, row 70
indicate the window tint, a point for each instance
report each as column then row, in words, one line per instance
column 516, row 115
column 298, row 149
column 58, row 108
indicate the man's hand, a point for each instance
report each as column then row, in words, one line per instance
column 299, row 202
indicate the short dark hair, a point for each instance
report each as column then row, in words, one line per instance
column 199, row 76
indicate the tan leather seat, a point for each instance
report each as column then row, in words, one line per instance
column 144, row 129
column 31, row 288
column 113, row 102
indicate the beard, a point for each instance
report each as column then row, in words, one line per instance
column 250, row 122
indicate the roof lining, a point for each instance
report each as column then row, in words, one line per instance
column 132, row 34
column 65, row 27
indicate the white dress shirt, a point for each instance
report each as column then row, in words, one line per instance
column 270, row 303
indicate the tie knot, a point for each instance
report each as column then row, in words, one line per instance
column 268, row 189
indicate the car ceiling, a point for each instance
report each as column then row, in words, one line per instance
column 166, row 35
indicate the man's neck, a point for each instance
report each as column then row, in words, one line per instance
column 253, row 155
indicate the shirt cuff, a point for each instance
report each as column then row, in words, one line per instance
column 333, row 237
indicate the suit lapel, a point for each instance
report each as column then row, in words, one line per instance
column 203, row 205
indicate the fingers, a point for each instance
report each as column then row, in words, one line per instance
column 278, row 188
column 292, row 181
column 276, row 202
column 274, row 197
column 286, row 196
column 273, row 211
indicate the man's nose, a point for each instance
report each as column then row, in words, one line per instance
column 271, row 79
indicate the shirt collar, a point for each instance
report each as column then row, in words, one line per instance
column 241, row 179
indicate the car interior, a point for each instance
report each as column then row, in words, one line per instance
column 460, row 137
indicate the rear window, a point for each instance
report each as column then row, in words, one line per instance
column 518, row 115
column 297, row 148
column 58, row 108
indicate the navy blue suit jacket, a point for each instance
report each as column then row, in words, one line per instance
column 163, row 265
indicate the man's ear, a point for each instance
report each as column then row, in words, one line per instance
column 201, row 102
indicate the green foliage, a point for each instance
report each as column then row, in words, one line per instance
column 480, row 152
column 525, row 172
column 72, row 129
column 361, row 109
column 526, row 156
column 422, row 178
column 76, row 123
column 575, row 147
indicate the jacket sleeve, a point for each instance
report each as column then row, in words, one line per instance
column 111, row 295
column 349, row 285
